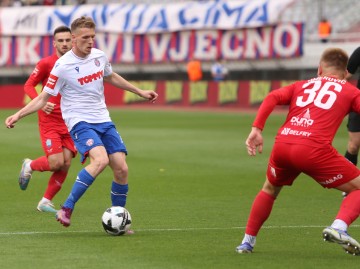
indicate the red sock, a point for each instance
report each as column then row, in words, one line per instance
column 55, row 182
column 259, row 213
column 40, row 164
column 350, row 208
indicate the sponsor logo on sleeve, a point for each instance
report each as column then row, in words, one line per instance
column 35, row 71
column 52, row 81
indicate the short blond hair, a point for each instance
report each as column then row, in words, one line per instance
column 83, row 22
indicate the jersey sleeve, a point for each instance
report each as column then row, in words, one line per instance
column 37, row 76
column 280, row 96
column 108, row 68
column 54, row 82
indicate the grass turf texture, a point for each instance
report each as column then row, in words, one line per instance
column 191, row 188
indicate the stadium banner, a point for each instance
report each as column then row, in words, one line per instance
column 144, row 18
column 270, row 42
column 183, row 94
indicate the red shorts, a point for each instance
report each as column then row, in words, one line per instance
column 325, row 165
column 53, row 141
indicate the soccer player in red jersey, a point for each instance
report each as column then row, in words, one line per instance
column 303, row 144
column 55, row 138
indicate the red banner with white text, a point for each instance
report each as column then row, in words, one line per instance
column 270, row 42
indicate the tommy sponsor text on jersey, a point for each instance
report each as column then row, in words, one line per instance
column 78, row 78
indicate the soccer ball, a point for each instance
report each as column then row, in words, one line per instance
column 116, row 220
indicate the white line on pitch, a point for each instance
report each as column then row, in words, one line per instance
column 171, row 229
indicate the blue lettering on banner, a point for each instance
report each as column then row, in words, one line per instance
column 159, row 21
column 182, row 19
column 146, row 18
column 65, row 19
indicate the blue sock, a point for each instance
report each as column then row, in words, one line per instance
column 119, row 194
column 82, row 183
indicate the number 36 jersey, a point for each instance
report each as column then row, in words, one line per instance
column 317, row 108
column 80, row 83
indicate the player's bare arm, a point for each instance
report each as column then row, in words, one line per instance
column 119, row 82
column 254, row 141
column 33, row 106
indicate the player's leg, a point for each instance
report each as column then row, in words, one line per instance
column 349, row 211
column 50, row 141
column 98, row 161
column 353, row 145
column 61, row 163
column 119, row 187
column 331, row 170
column 260, row 211
column 88, row 144
column 25, row 174
column 117, row 161
column 279, row 173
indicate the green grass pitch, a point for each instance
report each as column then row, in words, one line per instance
column 191, row 188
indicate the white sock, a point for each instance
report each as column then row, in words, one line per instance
column 250, row 239
column 45, row 200
column 339, row 224
column 28, row 167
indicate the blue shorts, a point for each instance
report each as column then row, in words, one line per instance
column 89, row 135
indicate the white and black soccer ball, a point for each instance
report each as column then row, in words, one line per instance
column 116, row 220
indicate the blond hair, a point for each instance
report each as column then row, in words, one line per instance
column 83, row 22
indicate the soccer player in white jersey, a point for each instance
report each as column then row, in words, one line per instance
column 78, row 76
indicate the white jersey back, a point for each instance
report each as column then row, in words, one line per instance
column 80, row 83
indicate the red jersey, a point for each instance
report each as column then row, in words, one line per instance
column 41, row 74
column 317, row 108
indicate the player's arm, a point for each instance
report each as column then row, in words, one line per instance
column 254, row 142
column 282, row 96
column 36, row 77
column 119, row 82
column 35, row 104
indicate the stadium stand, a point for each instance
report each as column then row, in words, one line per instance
column 345, row 34
column 343, row 16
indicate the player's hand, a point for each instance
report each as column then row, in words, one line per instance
column 48, row 108
column 150, row 95
column 11, row 120
column 254, row 142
